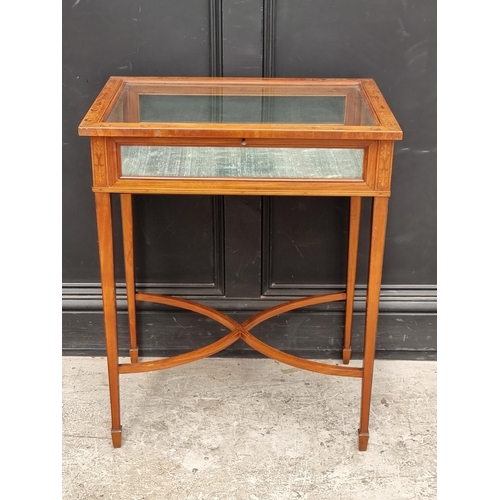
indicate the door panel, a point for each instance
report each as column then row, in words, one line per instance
column 394, row 43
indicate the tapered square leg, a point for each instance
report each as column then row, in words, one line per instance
column 106, row 258
column 377, row 241
column 128, row 249
column 352, row 260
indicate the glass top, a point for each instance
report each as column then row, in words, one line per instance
column 246, row 104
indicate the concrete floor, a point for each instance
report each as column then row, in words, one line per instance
column 230, row 429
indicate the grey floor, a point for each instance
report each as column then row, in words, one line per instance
column 230, row 429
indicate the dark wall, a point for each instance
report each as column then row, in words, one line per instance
column 231, row 251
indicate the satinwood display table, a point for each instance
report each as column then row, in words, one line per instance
column 241, row 136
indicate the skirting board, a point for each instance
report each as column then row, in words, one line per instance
column 407, row 326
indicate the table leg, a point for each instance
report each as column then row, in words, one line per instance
column 128, row 247
column 352, row 260
column 105, row 235
column 377, row 240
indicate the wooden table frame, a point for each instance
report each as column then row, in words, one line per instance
column 377, row 141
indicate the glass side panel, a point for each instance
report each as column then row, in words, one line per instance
column 234, row 162
column 335, row 105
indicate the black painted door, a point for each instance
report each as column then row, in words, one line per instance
column 241, row 254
